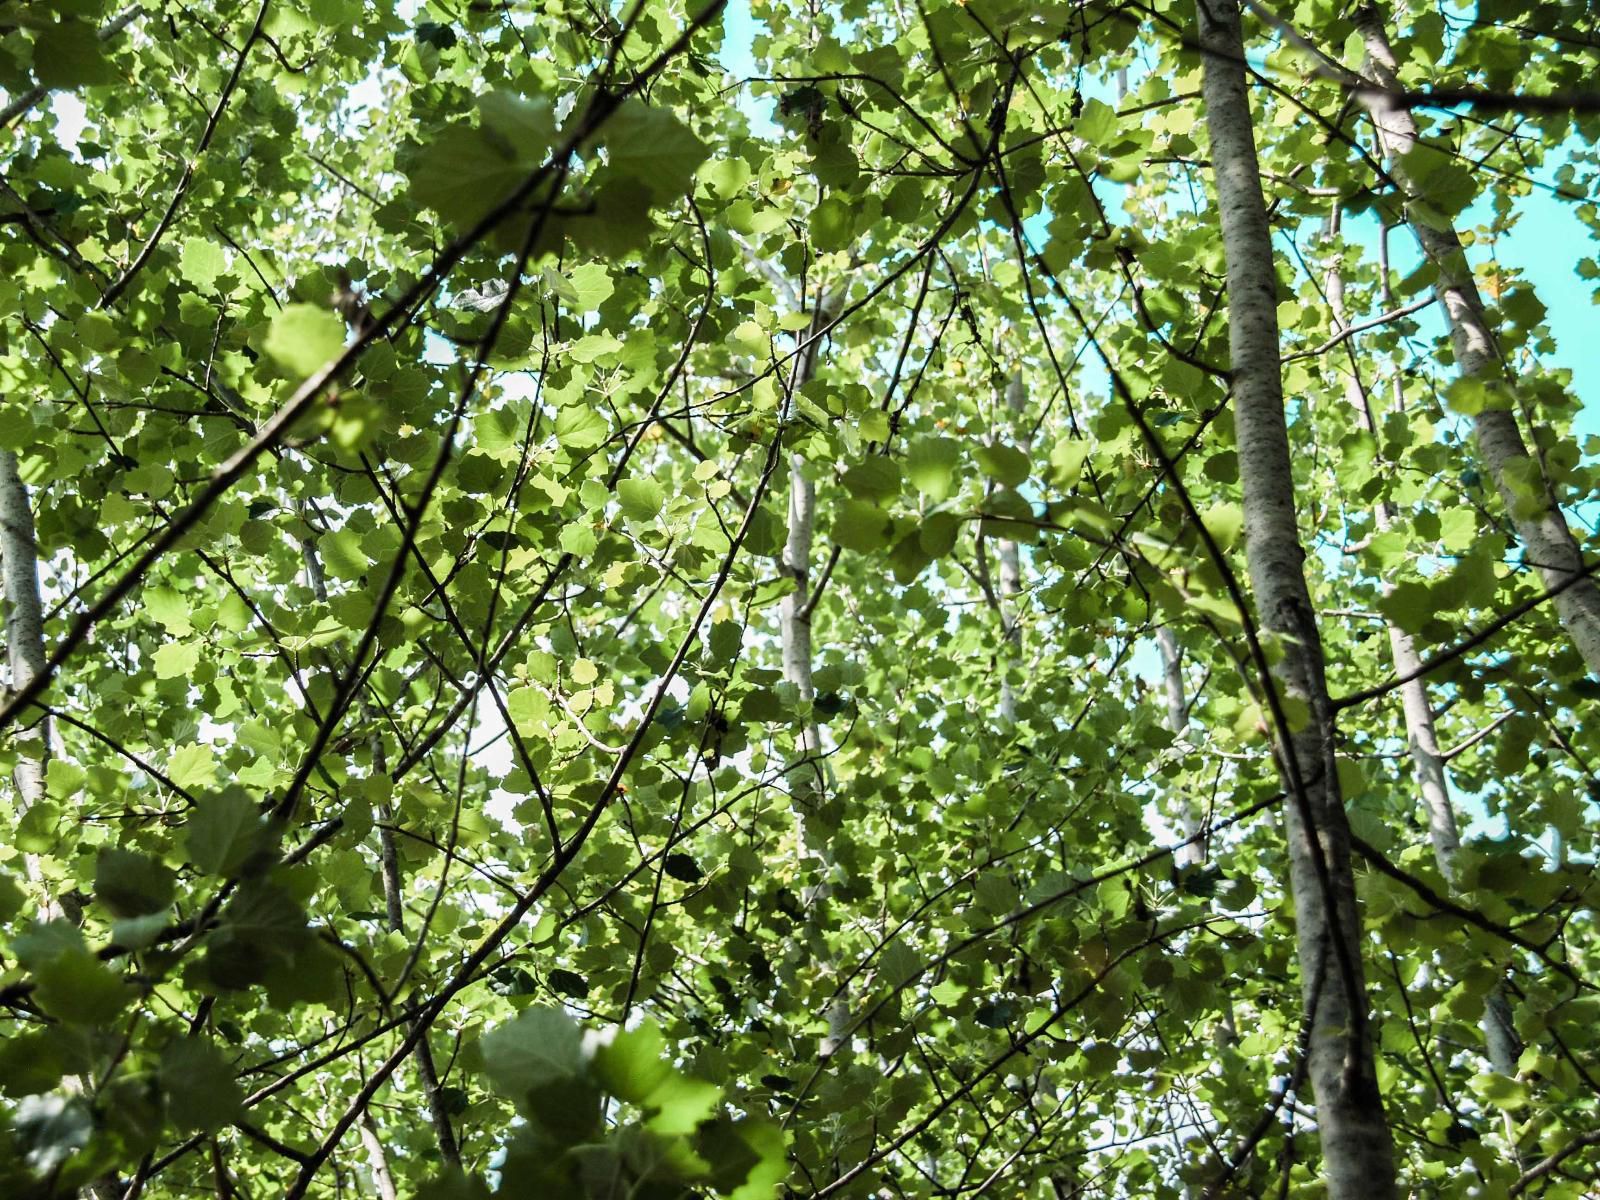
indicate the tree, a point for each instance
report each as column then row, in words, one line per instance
column 752, row 600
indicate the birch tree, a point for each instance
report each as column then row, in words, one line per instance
column 1357, row 1147
column 574, row 668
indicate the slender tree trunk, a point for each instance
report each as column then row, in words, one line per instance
column 1357, row 1149
column 794, row 619
column 808, row 776
column 25, row 655
column 1528, row 497
column 1190, row 854
column 1427, row 762
column 24, row 623
column 377, row 1159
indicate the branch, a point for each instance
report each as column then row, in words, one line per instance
column 1445, row 657
column 1350, row 331
column 24, row 101
column 149, row 248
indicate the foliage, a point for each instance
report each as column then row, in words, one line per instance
column 405, row 395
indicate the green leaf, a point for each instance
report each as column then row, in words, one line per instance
column 130, row 884
column 526, row 128
column 202, row 1093
column 70, row 54
column 192, row 766
column 200, row 262
column 937, row 536
column 862, row 527
column 681, row 1103
column 580, row 427
column 931, row 466
column 176, row 660
column 538, row 1061
column 169, row 607
column 540, row 1047
column 632, row 1065
column 224, row 831
column 462, row 173
column 876, row 479
column 342, row 554
column 651, row 146
column 303, row 338
column 590, row 286
column 78, row 988
column 1006, row 464
column 832, row 224
column 641, row 498
column 770, row 1143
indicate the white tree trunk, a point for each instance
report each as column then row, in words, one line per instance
column 1547, row 541
column 25, row 655
column 1191, row 853
column 1357, row 1149
column 377, row 1159
column 24, row 623
column 1421, row 735
column 794, row 617
column 1427, row 763
column 808, row 776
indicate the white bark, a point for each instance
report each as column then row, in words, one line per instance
column 1190, row 854
column 1547, row 541
column 25, row 655
column 808, row 776
column 377, row 1159
column 1421, row 735
column 1357, row 1149
column 24, row 623
column 794, row 617
column 1427, row 763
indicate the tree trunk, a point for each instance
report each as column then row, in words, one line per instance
column 1357, row 1149
column 808, row 775
column 1428, row 764
column 24, row 623
column 1528, row 497
column 377, row 1159
column 1422, row 737
column 24, row 628
column 1190, row 854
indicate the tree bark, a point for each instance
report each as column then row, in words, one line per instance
column 1528, row 496
column 25, row 655
column 1357, row 1148
column 377, row 1159
column 794, row 618
column 1421, row 735
column 808, row 774
column 24, row 623
column 1427, row 762
column 1190, row 854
